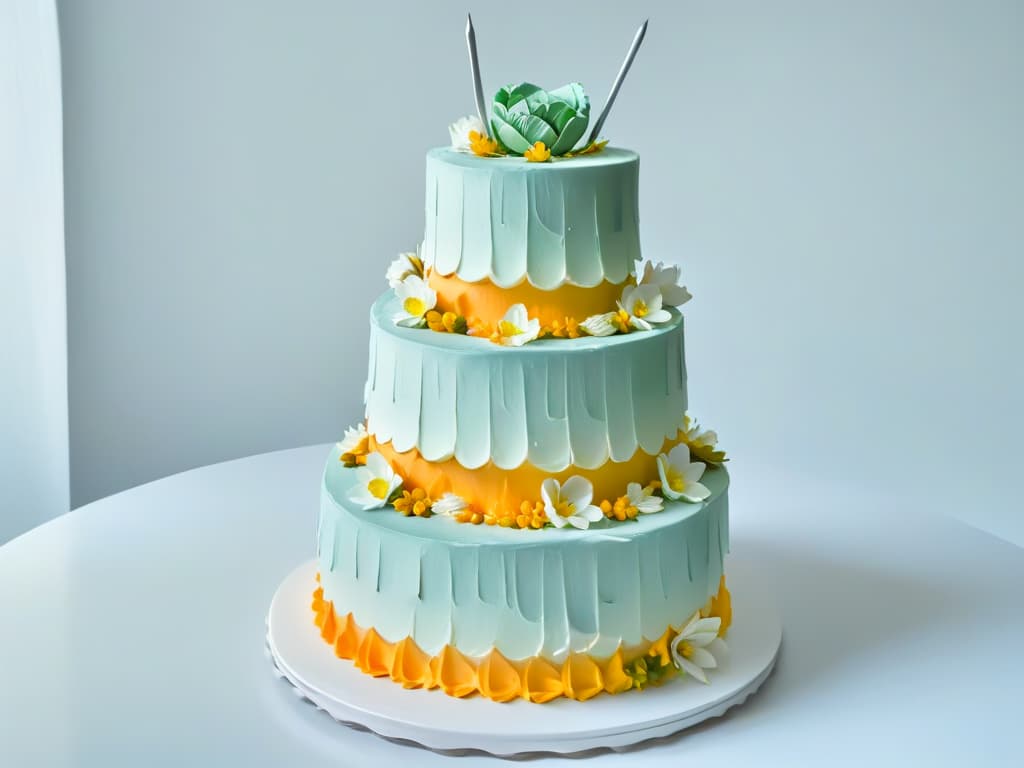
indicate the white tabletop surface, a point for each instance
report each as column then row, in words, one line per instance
column 132, row 630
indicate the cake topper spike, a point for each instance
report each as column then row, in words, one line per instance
column 474, row 65
column 623, row 71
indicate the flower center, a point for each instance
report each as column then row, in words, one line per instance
column 685, row 649
column 509, row 329
column 378, row 487
column 675, row 480
column 415, row 306
column 565, row 509
column 640, row 308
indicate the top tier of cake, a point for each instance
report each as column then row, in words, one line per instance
column 551, row 225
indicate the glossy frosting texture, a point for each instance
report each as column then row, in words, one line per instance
column 506, row 220
column 553, row 403
column 525, row 593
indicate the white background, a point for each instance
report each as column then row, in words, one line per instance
column 842, row 183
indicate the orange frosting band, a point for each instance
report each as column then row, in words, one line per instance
column 492, row 489
column 488, row 302
column 579, row 677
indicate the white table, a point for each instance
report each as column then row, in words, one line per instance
column 131, row 633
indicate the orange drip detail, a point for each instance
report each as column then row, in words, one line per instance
column 493, row 676
column 488, row 302
column 497, row 491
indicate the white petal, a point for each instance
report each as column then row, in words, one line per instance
column 658, row 316
column 703, row 658
column 600, row 325
column 649, row 505
column 694, row 471
column 695, row 492
column 578, row 522
column 693, row 670
column 377, row 466
column 555, row 519
column 675, row 295
column 679, row 456
column 394, row 485
column 650, row 294
column 408, row 321
column 577, row 491
column 591, row 513
column 690, row 624
column 629, row 296
column 550, row 492
column 666, row 489
column 639, row 323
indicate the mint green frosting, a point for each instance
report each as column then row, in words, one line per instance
column 524, row 592
column 524, row 114
column 509, row 221
column 552, row 403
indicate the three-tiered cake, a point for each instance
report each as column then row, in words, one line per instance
column 527, row 510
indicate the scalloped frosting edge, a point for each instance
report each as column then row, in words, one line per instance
column 537, row 680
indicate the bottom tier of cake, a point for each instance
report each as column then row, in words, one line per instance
column 513, row 613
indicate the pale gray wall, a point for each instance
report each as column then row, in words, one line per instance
column 842, row 183
column 33, row 324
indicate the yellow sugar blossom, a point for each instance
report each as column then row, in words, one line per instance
column 469, row 516
column 531, row 515
column 589, row 149
column 447, row 322
column 414, row 502
column 538, row 153
column 621, row 321
column 569, row 329
column 482, row 145
column 621, row 510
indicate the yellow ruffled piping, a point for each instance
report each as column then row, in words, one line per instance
column 537, row 680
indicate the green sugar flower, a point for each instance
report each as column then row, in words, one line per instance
column 525, row 114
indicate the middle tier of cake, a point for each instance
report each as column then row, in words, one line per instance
column 459, row 413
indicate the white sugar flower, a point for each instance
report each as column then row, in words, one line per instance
column 354, row 445
column 643, row 305
column 459, row 131
column 680, row 479
column 354, row 437
column 418, row 298
column 449, row 504
column 570, row 503
column 667, row 279
column 405, row 265
column 600, row 325
column 689, row 647
column 644, row 501
column 702, row 443
column 515, row 328
column 374, row 483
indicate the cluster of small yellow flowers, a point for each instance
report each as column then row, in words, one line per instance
column 482, row 145
column 567, row 329
column 531, row 515
column 470, row 516
column 414, row 502
column 621, row 321
column 504, row 519
column 448, row 322
column 651, row 487
column 621, row 510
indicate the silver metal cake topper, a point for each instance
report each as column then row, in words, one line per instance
column 474, row 64
column 623, row 71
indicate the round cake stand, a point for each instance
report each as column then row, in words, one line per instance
column 443, row 723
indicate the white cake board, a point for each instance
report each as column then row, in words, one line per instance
column 443, row 723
